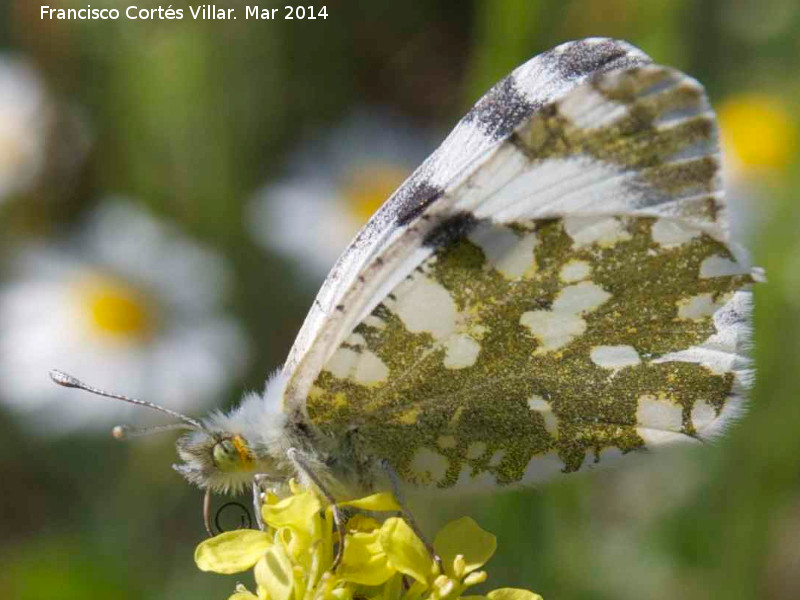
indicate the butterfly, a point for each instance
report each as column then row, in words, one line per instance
column 554, row 288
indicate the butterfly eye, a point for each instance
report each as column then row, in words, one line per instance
column 226, row 456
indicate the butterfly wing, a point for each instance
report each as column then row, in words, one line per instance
column 522, row 93
column 569, row 294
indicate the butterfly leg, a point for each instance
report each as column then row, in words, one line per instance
column 207, row 512
column 257, row 501
column 303, row 466
column 394, row 480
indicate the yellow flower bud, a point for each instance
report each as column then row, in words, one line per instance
column 445, row 587
column 475, row 578
column 459, row 566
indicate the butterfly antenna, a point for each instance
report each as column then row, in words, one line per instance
column 126, row 432
column 65, row 380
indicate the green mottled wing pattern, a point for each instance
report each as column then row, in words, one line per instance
column 364, row 272
column 538, row 347
column 571, row 297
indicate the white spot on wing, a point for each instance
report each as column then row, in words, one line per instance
column 614, row 357
column 663, row 414
column 342, row 363
column 370, row 369
column 538, row 403
column 541, row 406
column 461, row 352
column 543, row 467
column 356, row 339
column 553, row 329
column 363, row 367
column 698, row 307
column 703, row 414
column 375, row 322
column 482, row 481
column 654, row 438
column 604, row 231
column 505, row 251
column 719, row 266
column 429, row 466
column 497, row 458
column 425, row 306
column 575, row 270
column 667, row 232
column 560, row 325
column 579, row 298
column 725, row 350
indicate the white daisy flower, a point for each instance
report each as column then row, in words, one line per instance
column 25, row 117
column 334, row 183
column 130, row 305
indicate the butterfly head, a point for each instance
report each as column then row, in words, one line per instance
column 220, row 460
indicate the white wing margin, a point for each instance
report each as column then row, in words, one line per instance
column 464, row 176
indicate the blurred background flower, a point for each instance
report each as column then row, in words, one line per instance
column 129, row 304
column 248, row 160
column 25, row 117
column 333, row 184
column 758, row 133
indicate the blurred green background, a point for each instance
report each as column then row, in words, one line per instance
column 222, row 130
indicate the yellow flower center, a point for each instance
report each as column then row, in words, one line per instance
column 759, row 130
column 116, row 310
column 368, row 188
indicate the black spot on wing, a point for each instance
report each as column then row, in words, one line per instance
column 582, row 58
column 501, row 109
column 419, row 197
column 451, row 230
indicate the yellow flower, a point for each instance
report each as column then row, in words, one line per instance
column 759, row 131
column 292, row 558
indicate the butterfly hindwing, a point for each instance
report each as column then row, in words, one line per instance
column 522, row 350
